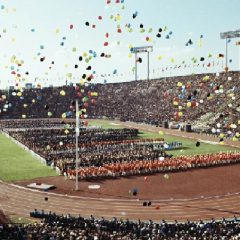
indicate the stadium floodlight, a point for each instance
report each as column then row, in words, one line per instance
column 144, row 49
column 77, row 135
column 228, row 35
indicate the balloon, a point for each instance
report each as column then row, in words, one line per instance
column 179, row 84
column 135, row 15
column 161, row 133
column 222, row 135
column 189, row 104
column 19, row 94
column 62, row 93
column 213, row 130
column 166, row 176
column 50, row 114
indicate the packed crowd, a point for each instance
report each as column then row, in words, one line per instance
column 109, row 153
column 161, row 165
column 34, row 123
column 60, row 227
column 97, row 146
column 177, row 99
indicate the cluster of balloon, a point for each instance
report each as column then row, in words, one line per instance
column 185, row 97
column 116, row 17
column 86, row 99
column 116, row 1
column 190, row 42
column 63, row 41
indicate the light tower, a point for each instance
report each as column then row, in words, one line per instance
column 227, row 36
column 144, row 49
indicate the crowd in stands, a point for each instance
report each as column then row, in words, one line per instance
column 60, row 227
column 181, row 99
column 34, row 123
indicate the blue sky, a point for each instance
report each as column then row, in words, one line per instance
column 31, row 29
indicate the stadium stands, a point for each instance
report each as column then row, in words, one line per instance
column 72, row 228
column 178, row 99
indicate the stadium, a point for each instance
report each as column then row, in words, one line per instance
column 119, row 124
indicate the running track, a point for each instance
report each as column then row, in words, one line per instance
column 19, row 201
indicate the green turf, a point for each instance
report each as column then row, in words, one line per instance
column 18, row 164
column 105, row 124
column 189, row 146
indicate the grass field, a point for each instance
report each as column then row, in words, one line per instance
column 189, row 146
column 18, row 164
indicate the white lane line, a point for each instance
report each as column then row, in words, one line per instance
column 122, row 200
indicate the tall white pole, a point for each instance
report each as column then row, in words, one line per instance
column 135, row 66
column 148, row 65
column 77, row 135
column 226, row 64
column 239, row 55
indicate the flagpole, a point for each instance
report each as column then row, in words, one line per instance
column 77, row 135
